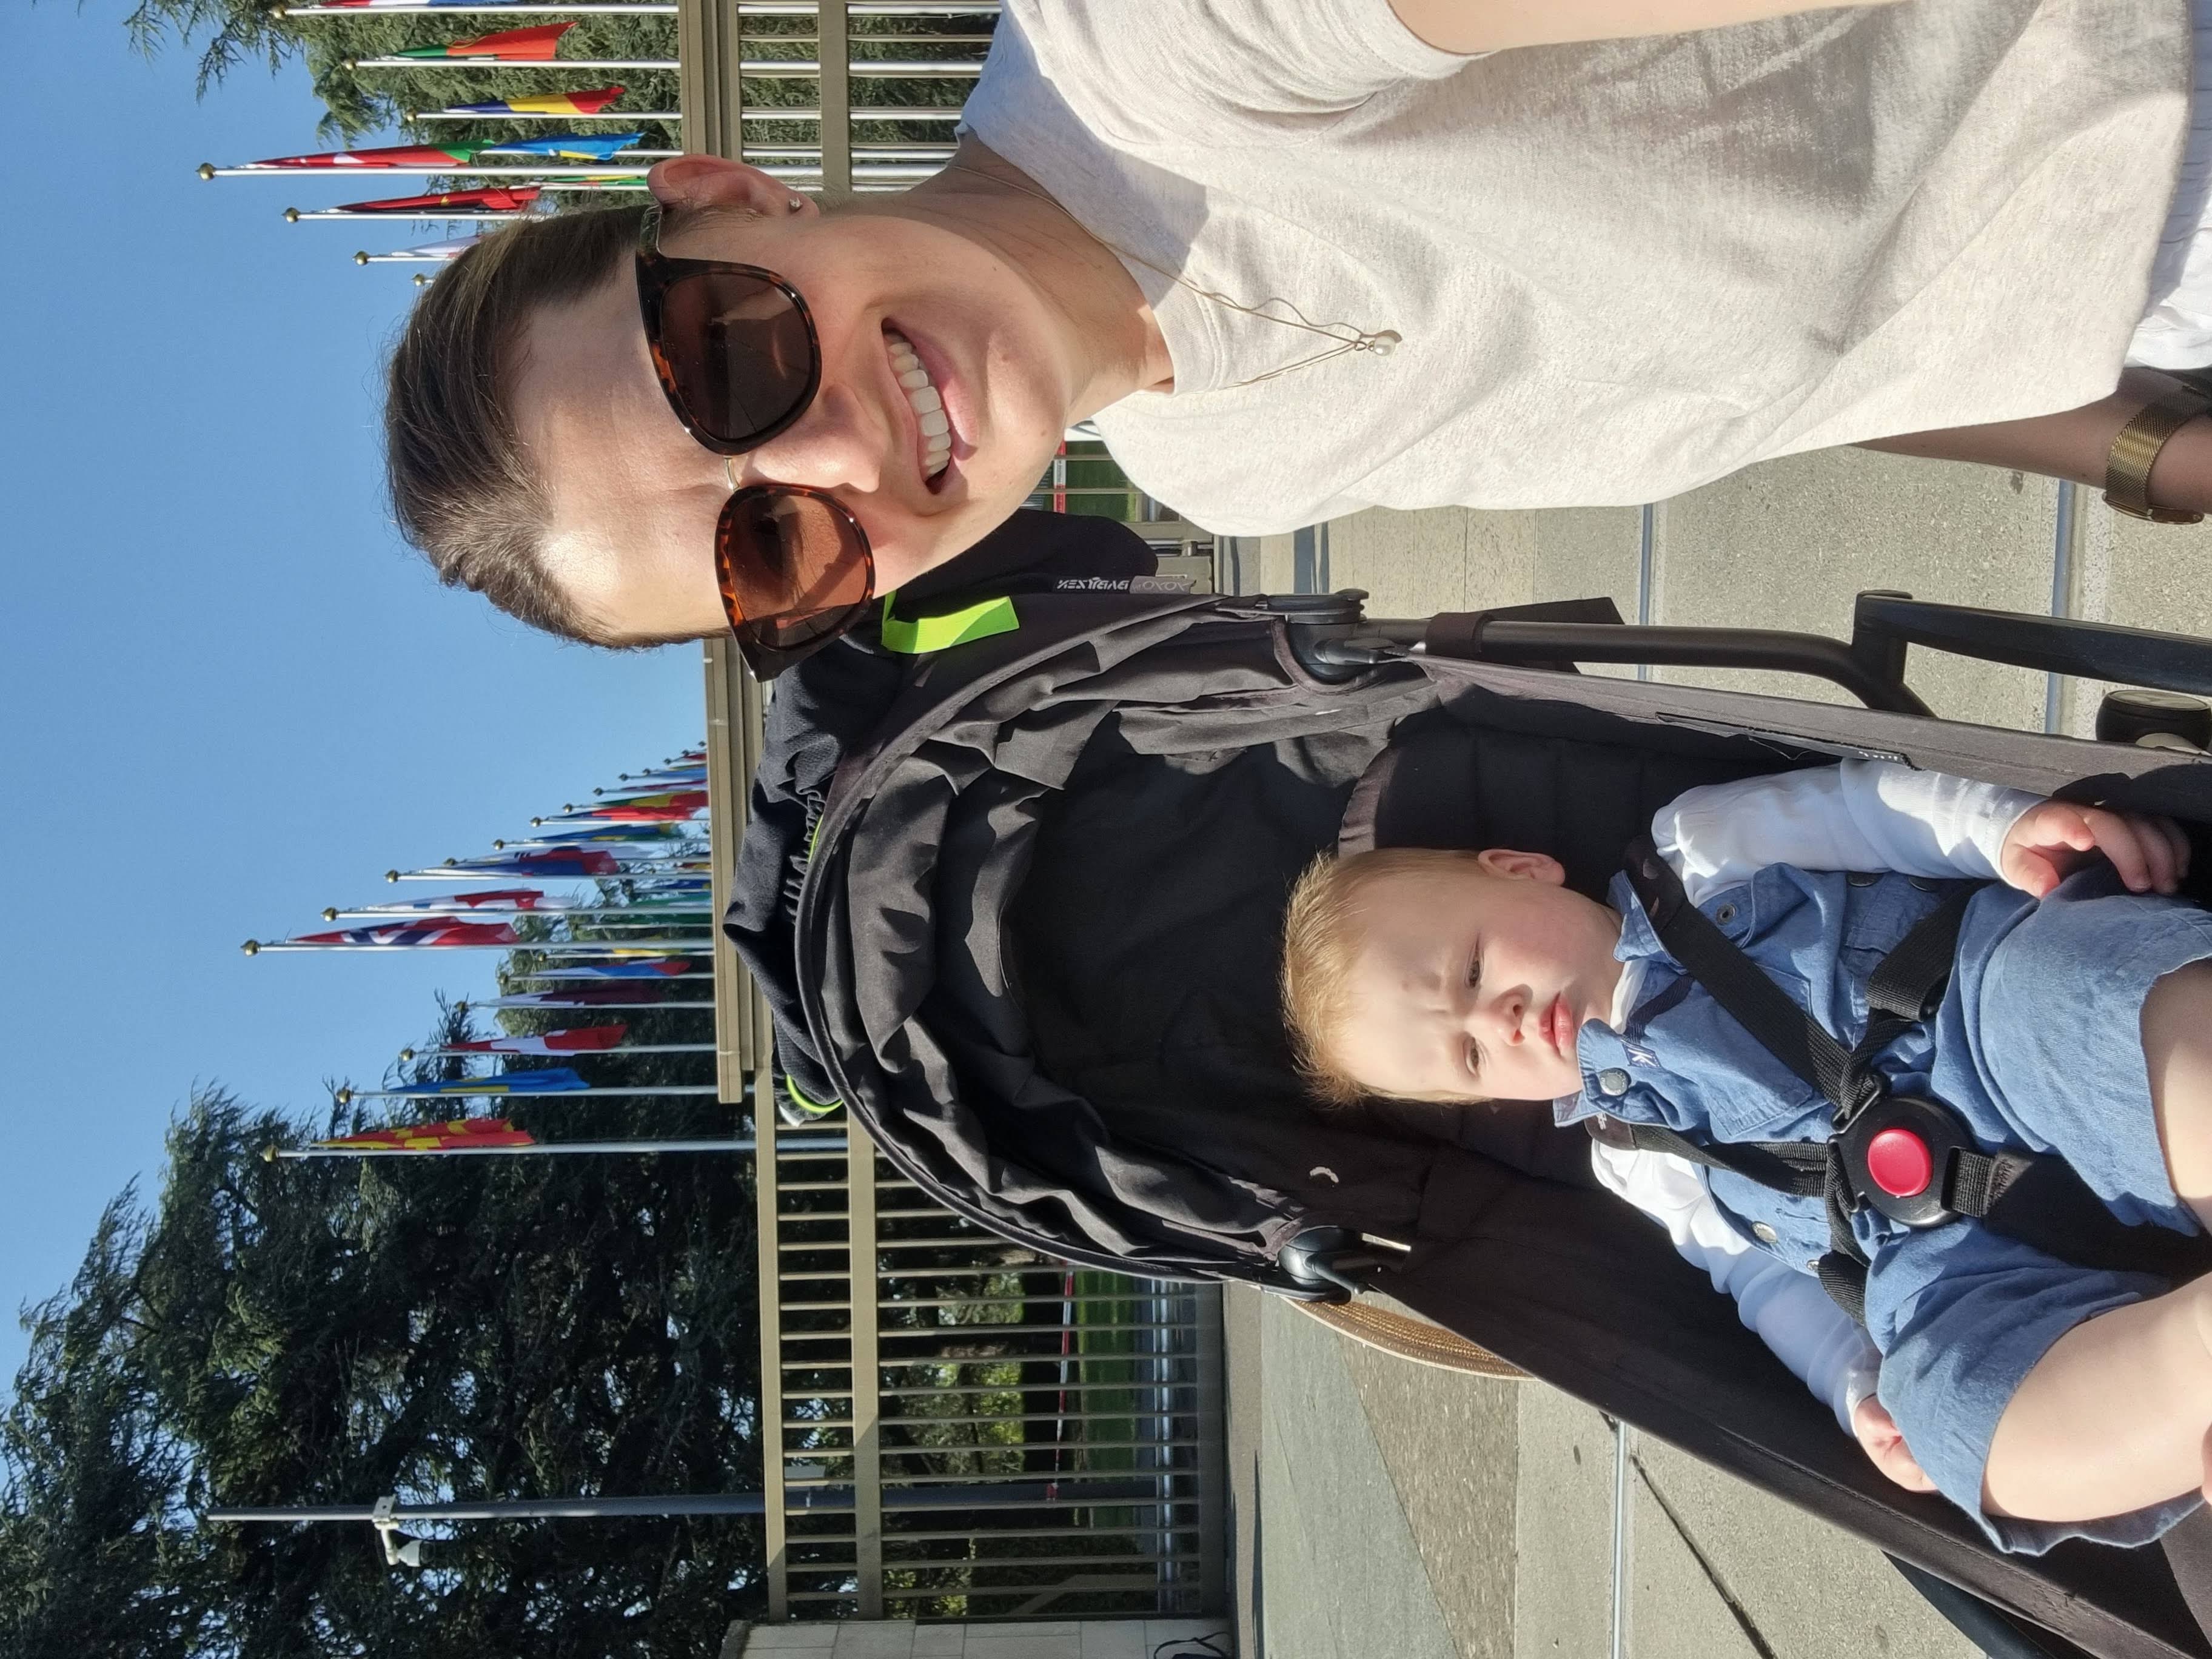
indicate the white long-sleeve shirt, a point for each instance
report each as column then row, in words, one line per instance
column 1861, row 815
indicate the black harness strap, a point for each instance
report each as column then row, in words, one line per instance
column 2036, row 1198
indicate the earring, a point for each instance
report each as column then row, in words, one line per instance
column 794, row 204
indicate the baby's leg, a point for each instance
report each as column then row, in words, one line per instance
column 2177, row 1039
column 2112, row 1418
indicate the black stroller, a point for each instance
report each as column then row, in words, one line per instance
column 1015, row 904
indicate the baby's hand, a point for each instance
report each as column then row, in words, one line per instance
column 2150, row 854
column 1878, row 1435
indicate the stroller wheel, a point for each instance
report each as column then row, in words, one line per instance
column 2154, row 719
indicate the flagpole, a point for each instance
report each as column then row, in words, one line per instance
column 667, row 65
column 447, row 170
column 757, row 69
column 457, row 910
column 649, row 8
column 660, row 115
column 426, row 215
column 686, row 978
column 690, row 946
column 552, row 1149
column 693, row 871
column 346, row 1096
column 569, row 7
column 406, row 1055
column 608, row 918
column 578, row 1007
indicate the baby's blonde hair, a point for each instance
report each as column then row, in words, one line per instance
column 1322, row 938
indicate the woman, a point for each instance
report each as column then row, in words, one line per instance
column 1299, row 260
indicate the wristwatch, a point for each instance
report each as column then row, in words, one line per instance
column 2127, row 466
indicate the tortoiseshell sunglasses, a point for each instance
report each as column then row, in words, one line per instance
column 738, row 360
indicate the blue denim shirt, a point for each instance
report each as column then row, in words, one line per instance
column 1959, row 1313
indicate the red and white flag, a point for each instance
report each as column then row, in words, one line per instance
column 576, row 1040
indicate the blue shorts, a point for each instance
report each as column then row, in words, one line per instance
column 2038, row 1046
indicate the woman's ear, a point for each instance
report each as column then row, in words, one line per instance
column 1522, row 866
column 715, row 181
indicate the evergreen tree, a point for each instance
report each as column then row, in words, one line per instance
column 331, row 1332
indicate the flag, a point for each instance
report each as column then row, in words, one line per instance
column 379, row 5
column 390, row 155
column 554, row 1079
column 495, row 198
column 542, row 103
column 532, row 45
column 434, row 1137
column 558, row 861
column 635, row 835
column 452, row 249
column 571, row 145
column 576, row 1040
column 663, row 968
column 668, row 806
column 519, row 898
column 596, row 996
column 417, row 932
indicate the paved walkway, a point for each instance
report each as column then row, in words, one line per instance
column 1383, row 1509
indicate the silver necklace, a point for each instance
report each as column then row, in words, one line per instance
column 1379, row 342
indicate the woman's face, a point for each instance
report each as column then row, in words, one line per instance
column 634, row 499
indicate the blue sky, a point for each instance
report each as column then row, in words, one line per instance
column 228, row 695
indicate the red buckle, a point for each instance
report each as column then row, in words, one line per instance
column 1899, row 1162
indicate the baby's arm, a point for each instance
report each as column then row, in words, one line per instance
column 1877, row 815
column 1861, row 815
column 1789, row 1310
column 2113, row 1417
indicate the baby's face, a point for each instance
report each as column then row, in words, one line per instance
column 1471, row 982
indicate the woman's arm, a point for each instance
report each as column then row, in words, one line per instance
column 1472, row 26
column 2074, row 444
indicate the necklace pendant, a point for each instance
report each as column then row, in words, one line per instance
column 1381, row 345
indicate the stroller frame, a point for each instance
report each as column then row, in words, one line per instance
column 1319, row 656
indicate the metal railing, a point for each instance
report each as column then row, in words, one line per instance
column 952, row 1426
column 1016, row 1437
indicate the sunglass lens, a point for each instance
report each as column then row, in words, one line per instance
column 794, row 566
column 743, row 359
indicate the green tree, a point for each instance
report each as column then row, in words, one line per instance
column 329, row 1331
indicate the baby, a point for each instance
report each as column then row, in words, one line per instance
column 2077, row 1019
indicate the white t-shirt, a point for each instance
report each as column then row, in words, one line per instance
column 1619, row 271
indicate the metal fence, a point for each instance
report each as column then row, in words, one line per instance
column 953, row 1427
column 972, row 1429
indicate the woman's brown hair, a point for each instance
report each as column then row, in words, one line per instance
column 462, row 489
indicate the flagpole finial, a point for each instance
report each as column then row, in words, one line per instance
column 496, row 845
column 251, row 947
column 345, row 63
column 392, row 875
column 361, row 258
column 460, row 1007
column 330, row 913
column 534, row 823
column 291, row 216
column 277, row 13
column 206, row 169
column 343, row 1097
column 406, row 1055
column 269, row 1153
